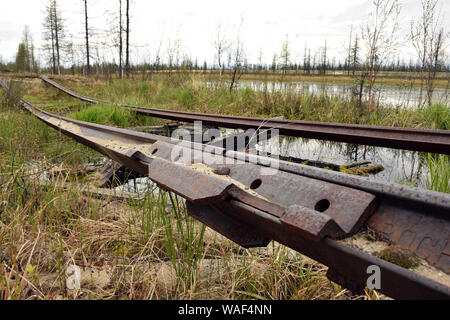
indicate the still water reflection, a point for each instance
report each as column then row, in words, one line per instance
column 384, row 95
column 399, row 166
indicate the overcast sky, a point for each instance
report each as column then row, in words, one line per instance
column 265, row 25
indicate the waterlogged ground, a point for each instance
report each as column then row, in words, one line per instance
column 404, row 96
column 399, row 166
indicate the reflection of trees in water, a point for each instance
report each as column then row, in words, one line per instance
column 405, row 95
column 400, row 166
column 406, row 166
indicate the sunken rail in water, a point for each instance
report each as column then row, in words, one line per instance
column 317, row 212
column 435, row 141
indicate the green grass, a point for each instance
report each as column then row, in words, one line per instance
column 114, row 116
column 439, row 173
column 437, row 116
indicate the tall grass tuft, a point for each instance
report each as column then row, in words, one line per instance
column 115, row 116
column 439, row 173
column 437, row 116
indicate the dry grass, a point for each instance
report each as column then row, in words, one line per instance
column 140, row 251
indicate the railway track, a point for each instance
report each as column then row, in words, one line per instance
column 319, row 213
column 434, row 141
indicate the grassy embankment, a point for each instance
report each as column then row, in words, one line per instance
column 135, row 250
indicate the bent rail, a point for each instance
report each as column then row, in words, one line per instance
column 435, row 141
column 252, row 209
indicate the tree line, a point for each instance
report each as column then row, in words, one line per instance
column 371, row 49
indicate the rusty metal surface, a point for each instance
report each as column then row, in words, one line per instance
column 348, row 207
column 436, row 141
column 426, row 235
column 235, row 214
column 231, row 228
column 311, row 223
column 191, row 184
column 349, row 263
column 421, row 216
column 69, row 92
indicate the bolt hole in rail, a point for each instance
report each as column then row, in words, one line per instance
column 320, row 213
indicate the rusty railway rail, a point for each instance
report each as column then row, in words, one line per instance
column 435, row 141
column 313, row 211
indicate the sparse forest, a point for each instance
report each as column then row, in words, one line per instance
column 372, row 50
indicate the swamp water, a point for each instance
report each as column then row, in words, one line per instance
column 404, row 96
column 400, row 166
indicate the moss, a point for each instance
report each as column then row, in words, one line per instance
column 362, row 171
column 400, row 256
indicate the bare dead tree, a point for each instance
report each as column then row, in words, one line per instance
column 313, row 67
column 120, row 41
column 306, row 60
column 238, row 57
column 112, row 41
column 285, row 55
column 158, row 59
column 349, row 52
column 221, row 45
column 173, row 52
column 379, row 34
column 49, row 37
column 53, row 35
column 436, row 51
column 59, row 33
column 324, row 59
column 127, row 54
column 354, row 55
column 260, row 60
column 428, row 38
column 87, row 36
